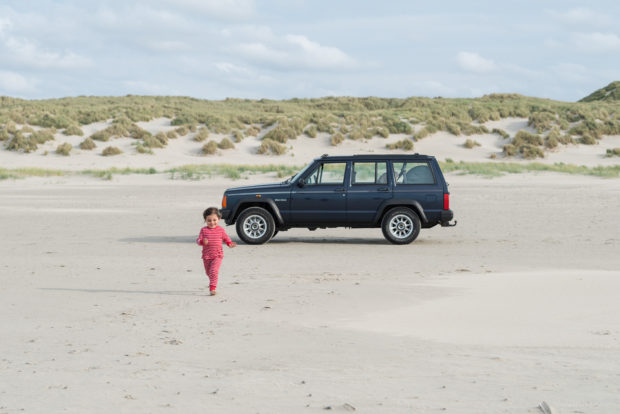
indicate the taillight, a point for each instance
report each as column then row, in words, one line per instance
column 224, row 202
column 446, row 201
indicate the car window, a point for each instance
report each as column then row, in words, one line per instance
column 413, row 173
column 369, row 173
column 327, row 173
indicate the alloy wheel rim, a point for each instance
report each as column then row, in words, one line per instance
column 401, row 226
column 255, row 226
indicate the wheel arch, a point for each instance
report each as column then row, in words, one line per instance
column 267, row 204
column 392, row 204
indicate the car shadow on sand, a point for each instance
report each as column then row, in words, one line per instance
column 122, row 291
column 277, row 240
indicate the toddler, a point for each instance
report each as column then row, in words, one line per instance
column 211, row 238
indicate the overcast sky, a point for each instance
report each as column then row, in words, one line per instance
column 281, row 49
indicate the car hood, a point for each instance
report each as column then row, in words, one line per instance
column 258, row 188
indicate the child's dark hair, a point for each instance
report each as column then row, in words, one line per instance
column 211, row 210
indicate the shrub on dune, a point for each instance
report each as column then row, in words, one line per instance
column 42, row 136
column 336, row 139
column 237, row 136
column 182, row 131
column 501, row 133
column 613, row 152
column 111, row 151
column 87, row 144
column 252, row 131
column 404, row 144
column 202, row 134
column 20, row 142
column 73, row 130
column 311, row 131
column 64, row 149
column 171, row 134
column 269, row 146
column 470, row 143
column 226, row 143
column 209, row 148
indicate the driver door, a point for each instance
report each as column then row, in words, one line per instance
column 322, row 198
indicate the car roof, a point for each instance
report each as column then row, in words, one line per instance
column 367, row 157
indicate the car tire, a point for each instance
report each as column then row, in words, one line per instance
column 255, row 225
column 400, row 225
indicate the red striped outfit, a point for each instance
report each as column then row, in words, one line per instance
column 213, row 253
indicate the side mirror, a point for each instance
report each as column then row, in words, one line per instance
column 301, row 182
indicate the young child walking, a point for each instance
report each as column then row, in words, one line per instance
column 211, row 238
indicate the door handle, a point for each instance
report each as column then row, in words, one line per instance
column 383, row 189
column 339, row 190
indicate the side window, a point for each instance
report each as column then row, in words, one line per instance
column 413, row 173
column 369, row 173
column 327, row 173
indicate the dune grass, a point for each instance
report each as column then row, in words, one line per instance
column 235, row 172
column 496, row 169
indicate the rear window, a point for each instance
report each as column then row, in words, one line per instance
column 413, row 173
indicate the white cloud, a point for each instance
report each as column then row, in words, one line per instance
column 473, row 62
column 218, row 9
column 581, row 16
column 28, row 53
column 597, row 42
column 12, row 82
column 295, row 51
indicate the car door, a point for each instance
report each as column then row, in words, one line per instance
column 370, row 186
column 321, row 197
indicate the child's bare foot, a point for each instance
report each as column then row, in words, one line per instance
column 213, row 293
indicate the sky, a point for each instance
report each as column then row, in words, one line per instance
column 281, row 49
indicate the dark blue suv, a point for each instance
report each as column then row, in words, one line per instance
column 399, row 193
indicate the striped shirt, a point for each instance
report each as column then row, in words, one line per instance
column 215, row 237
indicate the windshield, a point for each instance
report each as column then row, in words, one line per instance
column 299, row 174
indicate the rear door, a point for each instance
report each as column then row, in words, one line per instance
column 323, row 197
column 416, row 180
column 370, row 185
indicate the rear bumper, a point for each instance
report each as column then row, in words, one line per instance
column 446, row 217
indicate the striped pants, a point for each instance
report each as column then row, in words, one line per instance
column 212, row 267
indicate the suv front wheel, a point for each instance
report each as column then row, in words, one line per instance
column 400, row 226
column 255, row 225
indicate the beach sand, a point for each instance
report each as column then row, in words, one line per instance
column 104, row 304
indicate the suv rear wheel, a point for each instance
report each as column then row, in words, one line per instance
column 255, row 225
column 400, row 225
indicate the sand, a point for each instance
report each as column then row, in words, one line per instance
column 104, row 304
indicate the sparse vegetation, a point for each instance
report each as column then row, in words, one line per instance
column 64, row 149
column 237, row 136
column 404, row 144
column 202, row 134
column 613, row 152
column 501, row 133
column 225, row 143
column 209, row 148
column 470, row 143
column 111, row 151
column 73, row 130
column 88, row 144
column 271, row 147
column 337, row 138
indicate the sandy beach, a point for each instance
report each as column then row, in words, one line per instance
column 104, row 304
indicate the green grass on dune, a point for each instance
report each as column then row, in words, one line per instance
column 235, row 172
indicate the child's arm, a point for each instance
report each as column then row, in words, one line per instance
column 227, row 240
column 201, row 240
